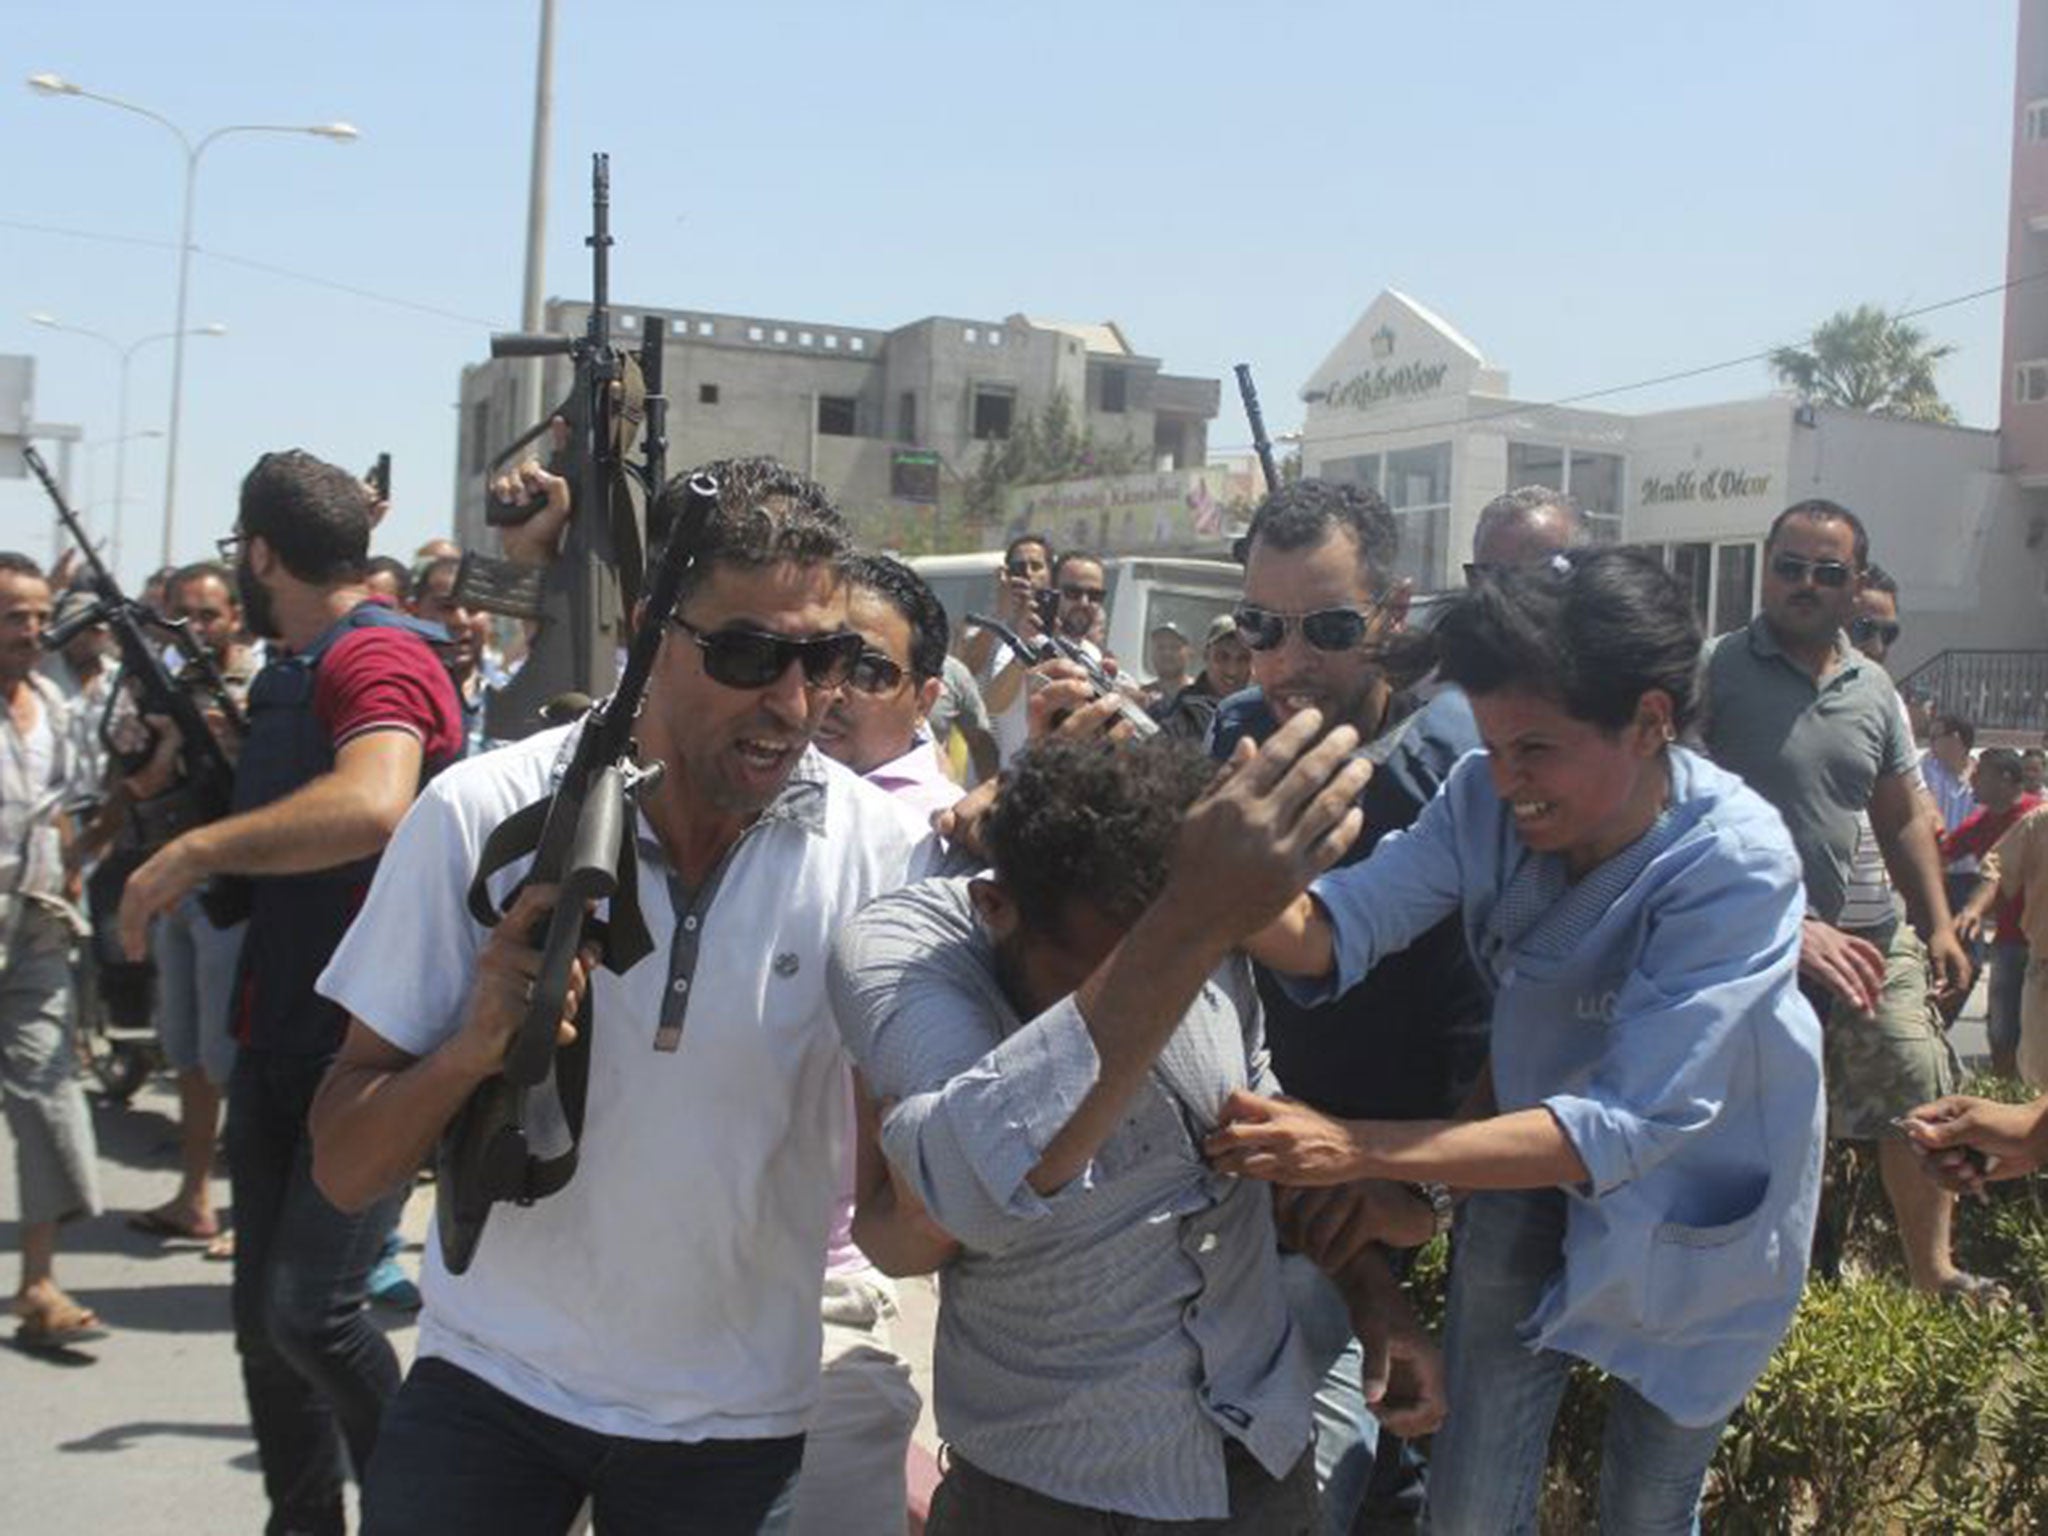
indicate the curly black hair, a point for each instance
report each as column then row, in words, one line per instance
column 1091, row 820
column 1595, row 630
column 767, row 513
column 315, row 516
column 1302, row 513
column 905, row 591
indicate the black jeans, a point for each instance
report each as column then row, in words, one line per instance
column 316, row 1372
column 460, row 1458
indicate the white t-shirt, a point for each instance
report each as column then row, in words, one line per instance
column 671, row 1291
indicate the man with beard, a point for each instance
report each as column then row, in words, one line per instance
column 647, row 1338
column 1322, row 613
column 348, row 719
column 195, row 958
column 46, row 1112
column 1814, row 726
column 469, row 634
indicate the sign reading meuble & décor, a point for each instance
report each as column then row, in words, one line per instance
column 1732, row 484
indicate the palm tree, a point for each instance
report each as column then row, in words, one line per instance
column 1862, row 359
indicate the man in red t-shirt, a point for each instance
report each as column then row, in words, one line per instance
column 2002, row 800
column 353, row 713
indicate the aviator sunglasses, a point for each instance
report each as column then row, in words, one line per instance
column 1793, row 570
column 752, row 658
column 1864, row 628
column 1327, row 629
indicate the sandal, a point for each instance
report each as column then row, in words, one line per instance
column 161, row 1223
column 1974, row 1290
column 58, row 1326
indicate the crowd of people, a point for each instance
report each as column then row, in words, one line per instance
column 1164, row 1021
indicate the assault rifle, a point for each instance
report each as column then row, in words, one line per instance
column 516, row 1137
column 206, row 777
column 584, row 597
column 1262, row 445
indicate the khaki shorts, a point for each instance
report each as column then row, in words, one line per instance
column 1879, row 1066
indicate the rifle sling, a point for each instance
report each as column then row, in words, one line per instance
column 623, row 936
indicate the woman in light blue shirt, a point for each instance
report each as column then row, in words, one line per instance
column 1644, row 1182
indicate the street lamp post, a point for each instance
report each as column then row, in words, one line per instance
column 121, row 432
column 339, row 132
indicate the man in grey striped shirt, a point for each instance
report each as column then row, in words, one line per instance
column 1051, row 1043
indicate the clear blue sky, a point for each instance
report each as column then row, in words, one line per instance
column 1595, row 193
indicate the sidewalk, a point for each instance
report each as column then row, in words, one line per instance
column 144, row 1433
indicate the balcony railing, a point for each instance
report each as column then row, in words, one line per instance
column 1993, row 690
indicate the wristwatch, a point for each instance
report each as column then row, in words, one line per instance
column 1441, row 1208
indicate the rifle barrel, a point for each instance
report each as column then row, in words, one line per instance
column 1262, row 445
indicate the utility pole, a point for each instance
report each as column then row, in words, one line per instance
column 537, row 208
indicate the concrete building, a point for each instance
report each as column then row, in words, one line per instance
column 1407, row 404
column 893, row 422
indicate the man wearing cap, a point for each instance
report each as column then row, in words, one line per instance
column 1166, row 654
column 1226, row 669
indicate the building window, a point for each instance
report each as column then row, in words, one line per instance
column 856, row 343
column 1115, row 391
column 831, row 341
column 1535, row 464
column 995, row 338
column 1364, row 470
column 971, row 335
column 628, row 322
column 2034, row 122
column 2030, row 383
column 993, row 409
column 1419, row 492
column 679, row 326
column 781, row 337
column 906, row 416
column 1735, row 568
column 753, row 333
column 707, row 394
column 706, row 328
column 479, row 436
column 835, row 416
column 803, row 338
column 1692, row 566
column 1594, row 482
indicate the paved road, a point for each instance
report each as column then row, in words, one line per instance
column 144, row 1433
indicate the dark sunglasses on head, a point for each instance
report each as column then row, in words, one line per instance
column 752, row 658
column 1327, row 629
column 1826, row 573
column 874, row 673
column 1865, row 629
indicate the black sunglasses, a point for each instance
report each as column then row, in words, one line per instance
column 874, row 673
column 1083, row 594
column 1864, row 628
column 1826, row 573
column 1327, row 629
column 752, row 658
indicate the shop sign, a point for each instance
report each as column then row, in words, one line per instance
column 1704, row 485
column 1363, row 391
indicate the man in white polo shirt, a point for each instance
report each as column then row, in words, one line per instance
column 648, row 1338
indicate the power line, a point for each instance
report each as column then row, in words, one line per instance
column 257, row 266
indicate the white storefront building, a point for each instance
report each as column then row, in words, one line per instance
column 1406, row 404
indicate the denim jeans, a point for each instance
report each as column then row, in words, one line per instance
column 1486, row 1464
column 2006, row 986
column 1347, row 1435
column 460, row 1458
column 317, row 1373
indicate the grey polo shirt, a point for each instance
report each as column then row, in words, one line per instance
column 1814, row 750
